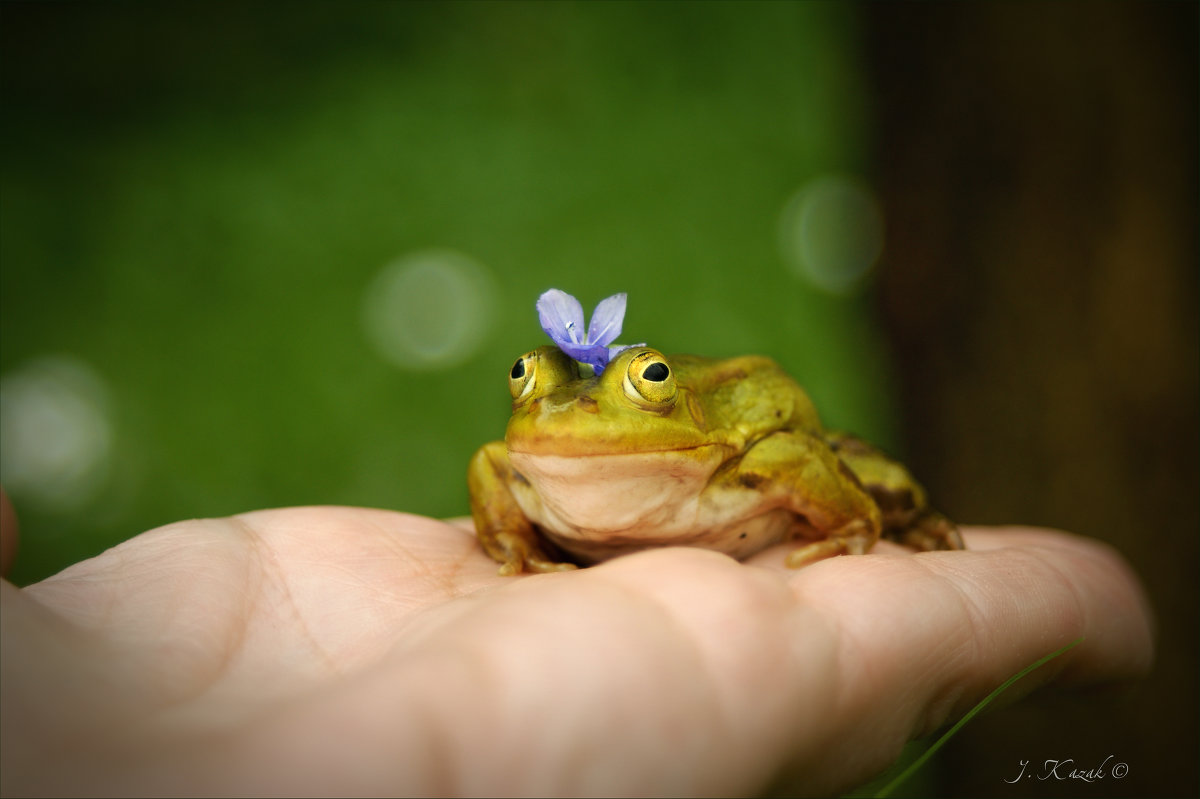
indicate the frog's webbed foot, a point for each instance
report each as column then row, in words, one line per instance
column 929, row 531
column 856, row 538
column 518, row 553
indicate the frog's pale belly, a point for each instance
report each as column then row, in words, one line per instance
column 598, row 507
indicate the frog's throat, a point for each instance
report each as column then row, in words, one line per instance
column 617, row 491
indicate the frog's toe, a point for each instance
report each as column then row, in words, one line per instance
column 514, row 567
column 509, row 569
column 513, row 552
column 536, row 560
column 855, row 538
column 518, row 554
column 818, row 550
column 932, row 531
column 858, row 537
column 546, row 566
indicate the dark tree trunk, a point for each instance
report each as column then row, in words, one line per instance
column 1038, row 167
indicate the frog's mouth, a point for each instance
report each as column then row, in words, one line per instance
column 585, row 425
column 615, row 443
column 614, row 449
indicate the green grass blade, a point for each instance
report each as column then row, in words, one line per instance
column 920, row 761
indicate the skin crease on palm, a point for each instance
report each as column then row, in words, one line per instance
column 363, row 652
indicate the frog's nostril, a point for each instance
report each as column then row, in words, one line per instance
column 588, row 404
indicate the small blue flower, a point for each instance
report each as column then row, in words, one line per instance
column 561, row 316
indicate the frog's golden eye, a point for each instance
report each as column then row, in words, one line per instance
column 650, row 378
column 539, row 371
column 520, row 377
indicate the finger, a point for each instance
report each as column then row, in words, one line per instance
column 925, row 637
column 1015, row 595
column 1070, row 572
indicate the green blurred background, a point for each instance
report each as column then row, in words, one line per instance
column 258, row 255
column 286, row 254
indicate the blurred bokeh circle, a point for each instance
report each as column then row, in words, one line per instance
column 429, row 309
column 831, row 233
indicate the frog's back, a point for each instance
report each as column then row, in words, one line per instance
column 749, row 393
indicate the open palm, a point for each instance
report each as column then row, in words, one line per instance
column 353, row 651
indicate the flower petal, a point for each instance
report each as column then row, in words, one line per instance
column 613, row 352
column 585, row 353
column 607, row 320
column 561, row 317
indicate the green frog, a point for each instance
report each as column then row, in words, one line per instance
column 654, row 451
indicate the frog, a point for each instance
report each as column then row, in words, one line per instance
column 655, row 451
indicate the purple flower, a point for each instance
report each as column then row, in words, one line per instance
column 561, row 316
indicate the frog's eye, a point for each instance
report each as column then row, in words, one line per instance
column 520, row 377
column 650, row 378
column 539, row 371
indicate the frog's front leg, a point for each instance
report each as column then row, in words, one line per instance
column 802, row 474
column 500, row 524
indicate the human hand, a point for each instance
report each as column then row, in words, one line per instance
column 353, row 651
